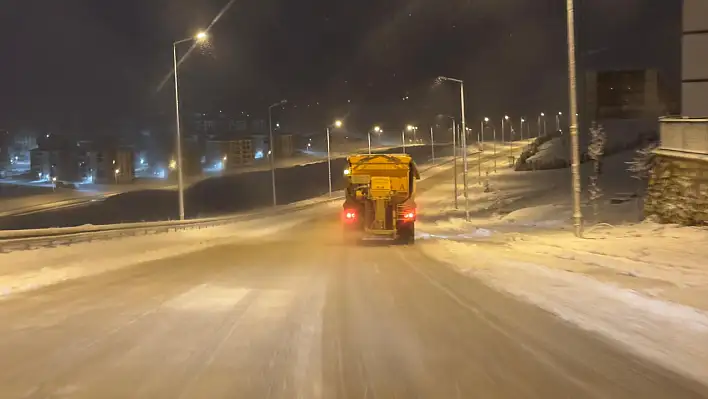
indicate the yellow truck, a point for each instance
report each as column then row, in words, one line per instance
column 380, row 197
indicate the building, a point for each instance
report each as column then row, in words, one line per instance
column 284, row 147
column 230, row 154
column 56, row 158
column 111, row 165
column 22, row 144
column 694, row 90
column 625, row 94
column 192, row 157
column 5, row 154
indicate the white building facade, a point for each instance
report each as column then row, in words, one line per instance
column 694, row 97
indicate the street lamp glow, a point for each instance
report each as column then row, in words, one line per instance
column 201, row 36
column 377, row 129
column 410, row 128
column 506, row 117
column 117, row 171
column 542, row 114
column 523, row 120
column 338, row 123
column 560, row 113
column 486, row 119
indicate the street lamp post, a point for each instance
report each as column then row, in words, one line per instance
column 575, row 146
column 377, row 130
column 337, row 124
column 201, row 36
column 432, row 144
column 463, row 129
column 409, row 128
column 454, row 157
column 506, row 118
column 558, row 121
column 521, row 127
column 494, row 143
column 271, row 148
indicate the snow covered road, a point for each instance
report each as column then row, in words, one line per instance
column 297, row 313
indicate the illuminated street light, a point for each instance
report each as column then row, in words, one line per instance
column 409, row 128
column 454, row 157
column 199, row 37
column 494, row 145
column 271, row 151
column 377, row 130
column 337, row 124
column 464, row 141
column 543, row 116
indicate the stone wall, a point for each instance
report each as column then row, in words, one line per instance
column 678, row 188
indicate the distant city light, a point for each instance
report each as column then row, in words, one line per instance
column 258, row 154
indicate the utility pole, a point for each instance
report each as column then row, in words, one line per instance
column 432, row 144
column 464, row 152
column 575, row 168
column 454, row 160
column 272, row 149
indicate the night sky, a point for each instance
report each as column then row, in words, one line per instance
column 93, row 66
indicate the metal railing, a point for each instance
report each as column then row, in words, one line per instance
column 12, row 240
column 684, row 134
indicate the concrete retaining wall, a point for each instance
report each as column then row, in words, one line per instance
column 678, row 188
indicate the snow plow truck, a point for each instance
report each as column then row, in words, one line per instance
column 380, row 197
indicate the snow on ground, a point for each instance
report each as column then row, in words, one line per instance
column 27, row 270
column 673, row 335
column 639, row 283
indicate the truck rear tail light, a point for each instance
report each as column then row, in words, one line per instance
column 409, row 215
column 349, row 215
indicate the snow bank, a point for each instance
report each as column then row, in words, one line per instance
column 621, row 135
column 29, row 270
column 673, row 335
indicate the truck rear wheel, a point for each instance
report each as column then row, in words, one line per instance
column 406, row 234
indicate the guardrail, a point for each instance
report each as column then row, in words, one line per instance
column 28, row 239
column 13, row 240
